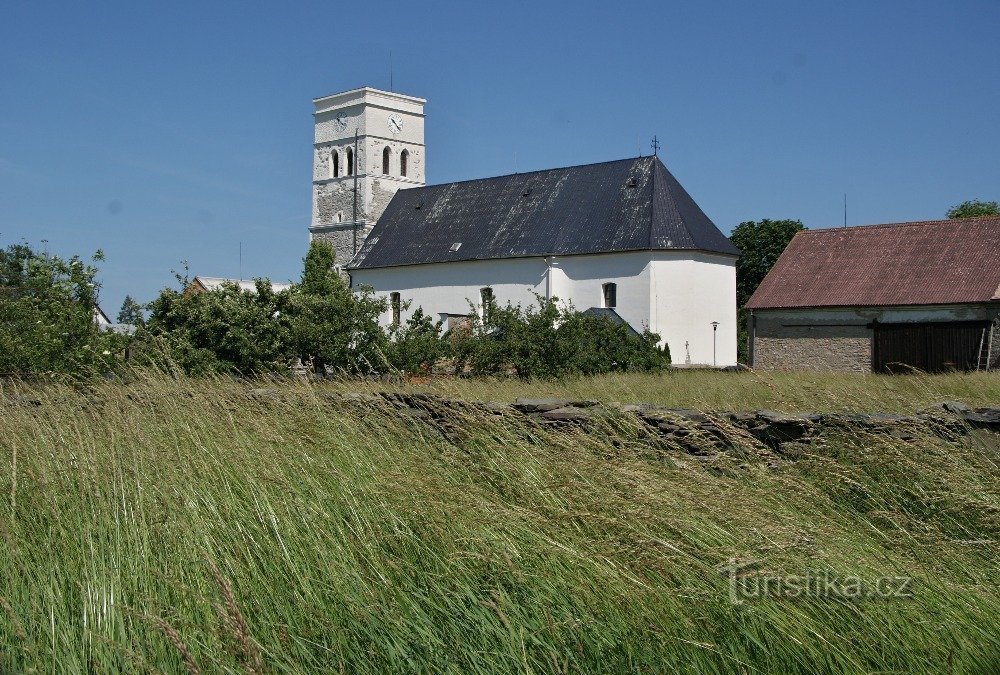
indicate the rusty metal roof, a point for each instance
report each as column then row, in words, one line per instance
column 926, row 263
column 625, row 205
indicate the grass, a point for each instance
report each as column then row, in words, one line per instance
column 189, row 526
column 712, row 390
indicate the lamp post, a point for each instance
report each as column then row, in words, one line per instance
column 715, row 329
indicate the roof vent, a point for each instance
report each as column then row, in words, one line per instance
column 632, row 182
column 454, row 247
column 418, row 205
column 527, row 192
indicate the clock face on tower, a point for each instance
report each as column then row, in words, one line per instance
column 395, row 123
column 340, row 122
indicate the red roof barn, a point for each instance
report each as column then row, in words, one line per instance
column 922, row 295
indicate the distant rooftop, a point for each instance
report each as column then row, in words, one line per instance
column 215, row 283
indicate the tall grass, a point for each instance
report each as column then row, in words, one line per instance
column 193, row 526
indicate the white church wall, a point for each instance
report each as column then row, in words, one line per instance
column 581, row 279
column 690, row 291
column 444, row 289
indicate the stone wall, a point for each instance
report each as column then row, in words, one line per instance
column 836, row 348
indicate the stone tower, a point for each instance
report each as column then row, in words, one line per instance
column 368, row 144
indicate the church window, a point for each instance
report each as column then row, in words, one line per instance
column 403, row 157
column 396, row 304
column 486, row 295
column 350, row 162
column 334, row 164
column 610, row 295
column 385, row 160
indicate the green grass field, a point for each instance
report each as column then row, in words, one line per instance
column 187, row 526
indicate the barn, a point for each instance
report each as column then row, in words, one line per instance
column 882, row 298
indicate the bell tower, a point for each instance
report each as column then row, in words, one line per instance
column 368, row 144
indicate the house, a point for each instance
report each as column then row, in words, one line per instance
column 894, row 297
column 622, row 238
column 202, row 284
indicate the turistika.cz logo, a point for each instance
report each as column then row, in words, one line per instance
column 746, row 584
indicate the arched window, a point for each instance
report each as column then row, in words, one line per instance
column 403, row 157
column 610, row 295
column 334, row 164
column 385, row 160
column 350, row 161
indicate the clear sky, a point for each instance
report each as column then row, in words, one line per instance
column 162, row 132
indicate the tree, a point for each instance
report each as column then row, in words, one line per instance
column 331, row 325
column 974, row 208
column 47, row 309
column 760, row 243
column 225, row 330
column 131, row 312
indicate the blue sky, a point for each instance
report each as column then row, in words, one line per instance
column 162, row 132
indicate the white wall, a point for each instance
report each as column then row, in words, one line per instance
column 690, row 291
column 676, row 294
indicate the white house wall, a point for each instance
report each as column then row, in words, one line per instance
column 677, row 295
column 690, row 291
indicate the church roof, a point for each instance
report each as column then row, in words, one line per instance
column 624, row 205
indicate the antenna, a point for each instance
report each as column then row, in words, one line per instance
column 655, row 145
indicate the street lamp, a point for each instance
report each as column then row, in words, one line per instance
column 715, row 329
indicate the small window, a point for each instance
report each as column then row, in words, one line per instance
column 404, row 157
column 334, row 164
column 454, row 247
column 350, row 162
column 340, row 216
column 610, row 295
column 385, row 160
column 396, row 304
column 486, row 296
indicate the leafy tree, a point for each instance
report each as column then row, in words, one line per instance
column 131, row 312
column 331, row 325
column 226, row 330
column 416, row 345
column 974, row 208
column 549, row 341
column 761, row 242
column 47, row 310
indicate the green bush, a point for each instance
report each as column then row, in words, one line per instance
column 417, row 344
column 48, row 306
column 546, row 341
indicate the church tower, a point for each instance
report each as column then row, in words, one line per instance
column 368, row 144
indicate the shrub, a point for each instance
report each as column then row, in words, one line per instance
column 47, row 310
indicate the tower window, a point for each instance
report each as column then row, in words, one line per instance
column 403, row 157
column 486, row 295
column 610, row 295
column 334, row 164
column 385, row 160
column 350, row 161
column 396, row 304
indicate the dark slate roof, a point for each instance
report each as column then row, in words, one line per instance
column 625, row 205
column 929, row 263
column 612, row 316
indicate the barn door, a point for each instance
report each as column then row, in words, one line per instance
column 931, row 347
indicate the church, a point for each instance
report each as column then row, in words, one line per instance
column 619, row 238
